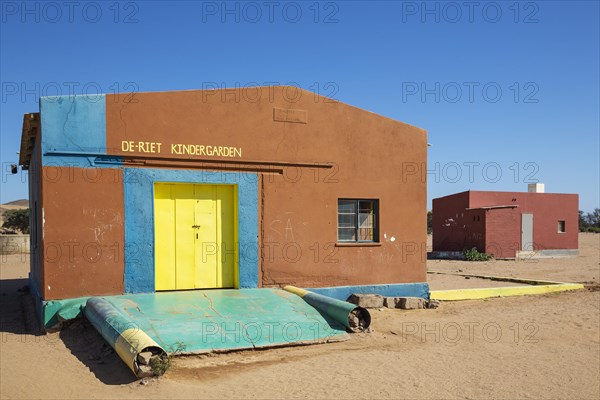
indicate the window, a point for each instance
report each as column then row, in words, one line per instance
column 561, row 226
column 357, row 220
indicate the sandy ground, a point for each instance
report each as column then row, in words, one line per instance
column 450, row 281
column 545, row 347
column 582, row 269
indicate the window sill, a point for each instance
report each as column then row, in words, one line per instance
column 358, row 244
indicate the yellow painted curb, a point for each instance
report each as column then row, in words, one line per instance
column 533, row 287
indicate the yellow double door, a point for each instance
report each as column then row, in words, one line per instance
column 195, row 236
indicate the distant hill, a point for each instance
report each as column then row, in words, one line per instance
column 19, row 203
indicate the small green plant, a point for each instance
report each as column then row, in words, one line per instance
column 474, row 255
column 160, row 364
column 177, row 348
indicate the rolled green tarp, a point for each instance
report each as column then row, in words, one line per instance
column 354, row 318
column 138, row 350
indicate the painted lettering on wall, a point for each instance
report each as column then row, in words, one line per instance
column 201, row 150
column 181, row 149
column 140, row 147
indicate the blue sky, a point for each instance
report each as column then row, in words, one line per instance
column 508, row 92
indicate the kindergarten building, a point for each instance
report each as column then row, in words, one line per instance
column 506, row 224
column 232, row 188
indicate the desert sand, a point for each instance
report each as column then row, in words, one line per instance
column 544, row 347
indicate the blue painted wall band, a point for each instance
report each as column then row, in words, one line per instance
column 75, row 125
column 390, row 290
column 139, row 221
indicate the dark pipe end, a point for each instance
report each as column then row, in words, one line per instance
column 359, row 320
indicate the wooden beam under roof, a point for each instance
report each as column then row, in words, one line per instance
column 31, row 127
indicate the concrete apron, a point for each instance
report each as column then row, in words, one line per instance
column 203, row 321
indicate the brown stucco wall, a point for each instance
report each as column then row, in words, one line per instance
column 370, row 156
column 83, row 232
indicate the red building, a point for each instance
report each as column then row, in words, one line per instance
column 506, row 224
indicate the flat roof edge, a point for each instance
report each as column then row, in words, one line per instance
column 492, row 207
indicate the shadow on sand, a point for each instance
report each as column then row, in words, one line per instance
column 18, row 317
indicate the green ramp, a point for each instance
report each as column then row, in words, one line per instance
column 203, row 321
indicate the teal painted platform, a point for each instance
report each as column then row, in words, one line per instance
column 202, row 321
